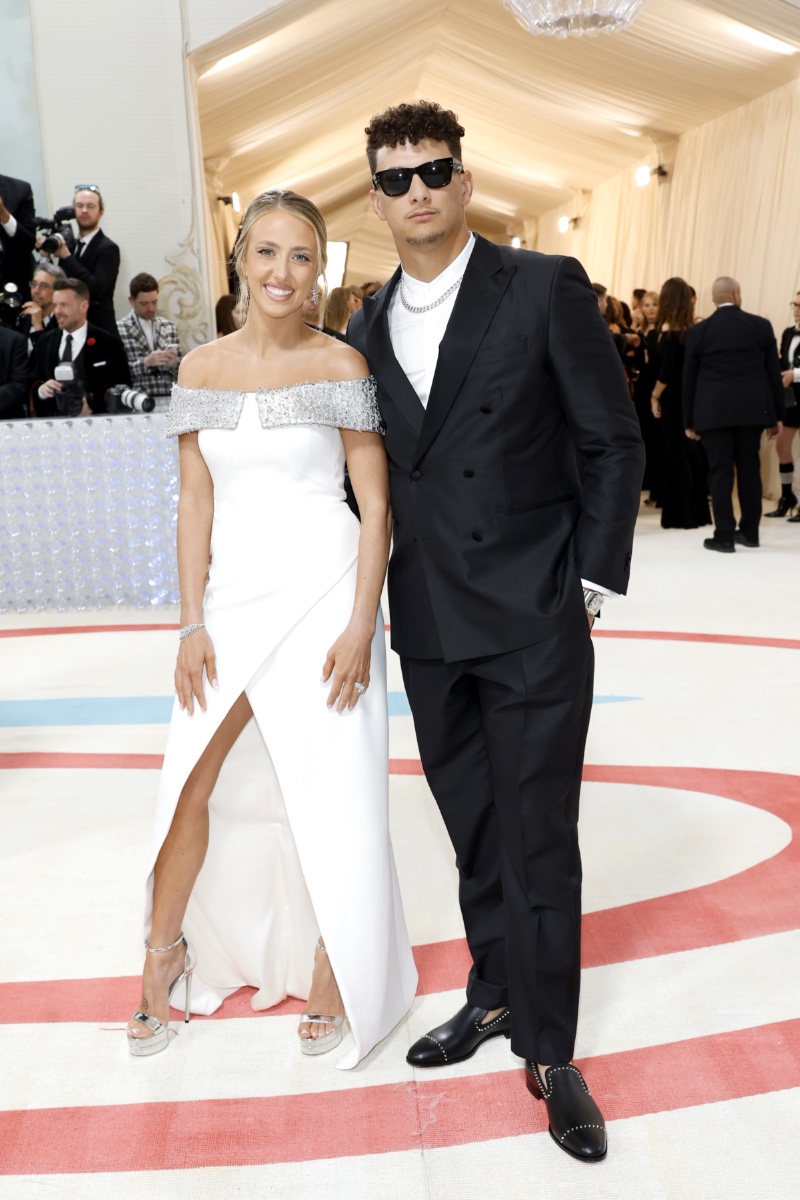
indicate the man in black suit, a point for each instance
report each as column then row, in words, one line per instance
column 13, row 375
column 93, row 258
column 38, row 314
column 732, row 391
column 486, row 400
column 17, row 234
column 98, row 359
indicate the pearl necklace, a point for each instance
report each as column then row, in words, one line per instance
column 426, row 307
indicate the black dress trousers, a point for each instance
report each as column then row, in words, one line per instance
column 502, row 741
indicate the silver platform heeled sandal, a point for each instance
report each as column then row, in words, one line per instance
column 159, row 1035
column 328, row 1041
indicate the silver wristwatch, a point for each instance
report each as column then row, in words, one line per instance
column 593, row 601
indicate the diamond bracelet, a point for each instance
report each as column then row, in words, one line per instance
column 188, row 630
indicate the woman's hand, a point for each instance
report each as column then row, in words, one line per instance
column 348, row 664
column 195, row 652
column 655, row 407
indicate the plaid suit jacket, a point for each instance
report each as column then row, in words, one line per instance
column 156, row 381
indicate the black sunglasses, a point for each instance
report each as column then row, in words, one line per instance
column 436, row 174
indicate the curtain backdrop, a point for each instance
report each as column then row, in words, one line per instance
column 727, row 207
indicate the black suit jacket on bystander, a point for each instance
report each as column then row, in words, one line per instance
column 16, row 253
column 13, row 375
column 98, row 267
column 731, row 373
column 100, row 364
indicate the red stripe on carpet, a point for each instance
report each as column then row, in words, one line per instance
column 55, row 630
column 762, row 900
column 48, row 759
column 377, row 1120
column 42, row 759
column 759, row 901
column 725, row 639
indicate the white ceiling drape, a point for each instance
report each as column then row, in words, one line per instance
column 727, row 207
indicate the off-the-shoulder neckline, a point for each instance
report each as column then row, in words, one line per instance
column 282, row 388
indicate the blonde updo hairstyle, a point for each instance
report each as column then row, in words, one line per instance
column 301, row 207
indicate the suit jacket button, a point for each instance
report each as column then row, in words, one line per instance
column 415, row 475
column 486, row 408
column 469, row 473
column 477, row 536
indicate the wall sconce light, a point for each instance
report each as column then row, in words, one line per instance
column 644, row 174
column 233, row 200
column 516, row 243
column 565, row 224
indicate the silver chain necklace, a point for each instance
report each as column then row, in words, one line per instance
column 426, row 307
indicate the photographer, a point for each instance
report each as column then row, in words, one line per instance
column 13, row 375
column 37, row 314
column 151, row 343
column 93, row 258
column 17, row 235
column 96, row 358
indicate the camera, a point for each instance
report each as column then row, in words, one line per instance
column 10, row 304
column 69, row 401
column 121, row 399
column 55, row 228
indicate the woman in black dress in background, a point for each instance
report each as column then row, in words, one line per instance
column 684, row 503
column 652, row 430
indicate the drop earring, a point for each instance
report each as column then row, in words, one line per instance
column 315, row 294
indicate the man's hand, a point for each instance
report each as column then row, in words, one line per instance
column 788, row 378
column 691, row 435
column 655, row 408
column 591, row 619
column 4, row 213
column 775, row 431
column 32, row 310
column 85, row 410
column 49, row 389
column 160, row 358
column 63, row 250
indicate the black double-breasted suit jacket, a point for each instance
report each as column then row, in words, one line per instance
column 522, row 475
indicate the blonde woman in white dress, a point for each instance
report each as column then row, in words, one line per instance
column 271, row 862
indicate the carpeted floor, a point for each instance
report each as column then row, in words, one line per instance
column 690, row 1015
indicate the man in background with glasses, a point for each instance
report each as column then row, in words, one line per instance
column 494, row 367
column 93, row 257
column 38, row 314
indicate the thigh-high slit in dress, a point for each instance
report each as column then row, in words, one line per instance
column 298, row 820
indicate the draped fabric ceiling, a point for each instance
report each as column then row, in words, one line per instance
column 284, row 101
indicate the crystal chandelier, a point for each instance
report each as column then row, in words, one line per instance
column 560, row 18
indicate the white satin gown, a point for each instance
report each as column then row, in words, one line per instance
column 299, row 834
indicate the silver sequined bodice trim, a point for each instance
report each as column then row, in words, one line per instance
column 340, row 403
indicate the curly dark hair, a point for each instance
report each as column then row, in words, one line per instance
column 413, row 123
column 675, row 306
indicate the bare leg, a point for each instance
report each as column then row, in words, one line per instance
column 324, row 998
column 783, row 444
column 178, row 865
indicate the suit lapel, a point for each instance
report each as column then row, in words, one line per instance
column 382, row 360
column 483, row 287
